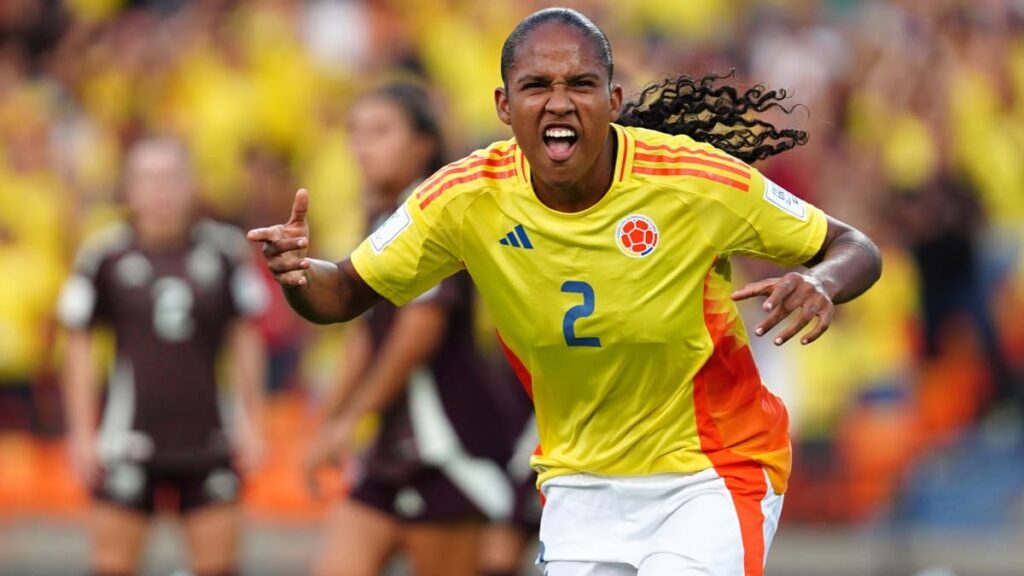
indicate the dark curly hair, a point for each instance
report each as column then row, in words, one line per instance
column 709, row 110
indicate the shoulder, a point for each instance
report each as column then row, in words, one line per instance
column 102, row 245
column 686, row 165
column 224, row 238
column 485, row 171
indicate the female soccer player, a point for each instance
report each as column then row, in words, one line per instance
column 177, row 291
column 431, row 477
column 602, row 252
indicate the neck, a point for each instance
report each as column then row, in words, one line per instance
column 588, row 190
column 160, row 236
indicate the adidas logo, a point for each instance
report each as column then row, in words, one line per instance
column 517, row 238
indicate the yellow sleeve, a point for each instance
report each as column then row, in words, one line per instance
column 766, row 221
column 411, row 251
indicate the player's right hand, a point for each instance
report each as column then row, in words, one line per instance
column 285, row 245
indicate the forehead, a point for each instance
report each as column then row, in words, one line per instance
column 151, row 158
column 378, row 109
column 372, row 107
column 555, row 49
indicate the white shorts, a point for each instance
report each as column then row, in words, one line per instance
column 664, row 524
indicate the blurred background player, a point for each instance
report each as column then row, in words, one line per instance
column 177, row 291
column 448, row 420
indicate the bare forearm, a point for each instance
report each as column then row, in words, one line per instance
column 80, row 395
column 332, row 293
column 319, row 291
column 248, row 374
column 850, row 265
column 846, row 265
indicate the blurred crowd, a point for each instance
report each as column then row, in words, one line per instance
column 915, row 110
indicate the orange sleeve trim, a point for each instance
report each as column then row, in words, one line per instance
column 679, row 160
column 640, row 144
column 741, row 186
column 624, row 157
column 476, row 162
column 464, row 179
column 524, row 174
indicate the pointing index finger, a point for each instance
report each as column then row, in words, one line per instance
column 259, row 234
column 299, row 207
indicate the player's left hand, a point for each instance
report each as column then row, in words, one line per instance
column 795, row 292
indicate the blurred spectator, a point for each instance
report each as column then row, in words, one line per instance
column 33, row 208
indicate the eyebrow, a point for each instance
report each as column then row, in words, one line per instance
column 545, row 79
column 533, row 78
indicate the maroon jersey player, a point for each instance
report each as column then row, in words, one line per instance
column 177, row 292
column 435, row 478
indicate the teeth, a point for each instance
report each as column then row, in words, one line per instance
column 559, row 133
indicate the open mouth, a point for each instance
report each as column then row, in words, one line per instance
column 560, row 143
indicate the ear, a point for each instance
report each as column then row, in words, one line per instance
column 616, row 101
column 501, row 105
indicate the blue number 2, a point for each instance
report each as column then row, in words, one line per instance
column 577, row 312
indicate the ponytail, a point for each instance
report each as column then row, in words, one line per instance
column 718, row 114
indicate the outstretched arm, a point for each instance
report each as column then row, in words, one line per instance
column 248, row 362
column 320, row 291
column 847, row 264
column 81, row 398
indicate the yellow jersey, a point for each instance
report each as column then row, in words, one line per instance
column 618, row 318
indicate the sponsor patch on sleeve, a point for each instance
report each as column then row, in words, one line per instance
column 784, row 200
column 390, row 229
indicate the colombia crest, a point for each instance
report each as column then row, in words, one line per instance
column 636, row 235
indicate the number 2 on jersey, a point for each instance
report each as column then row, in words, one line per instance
column 577, row 312
column 172, row 309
